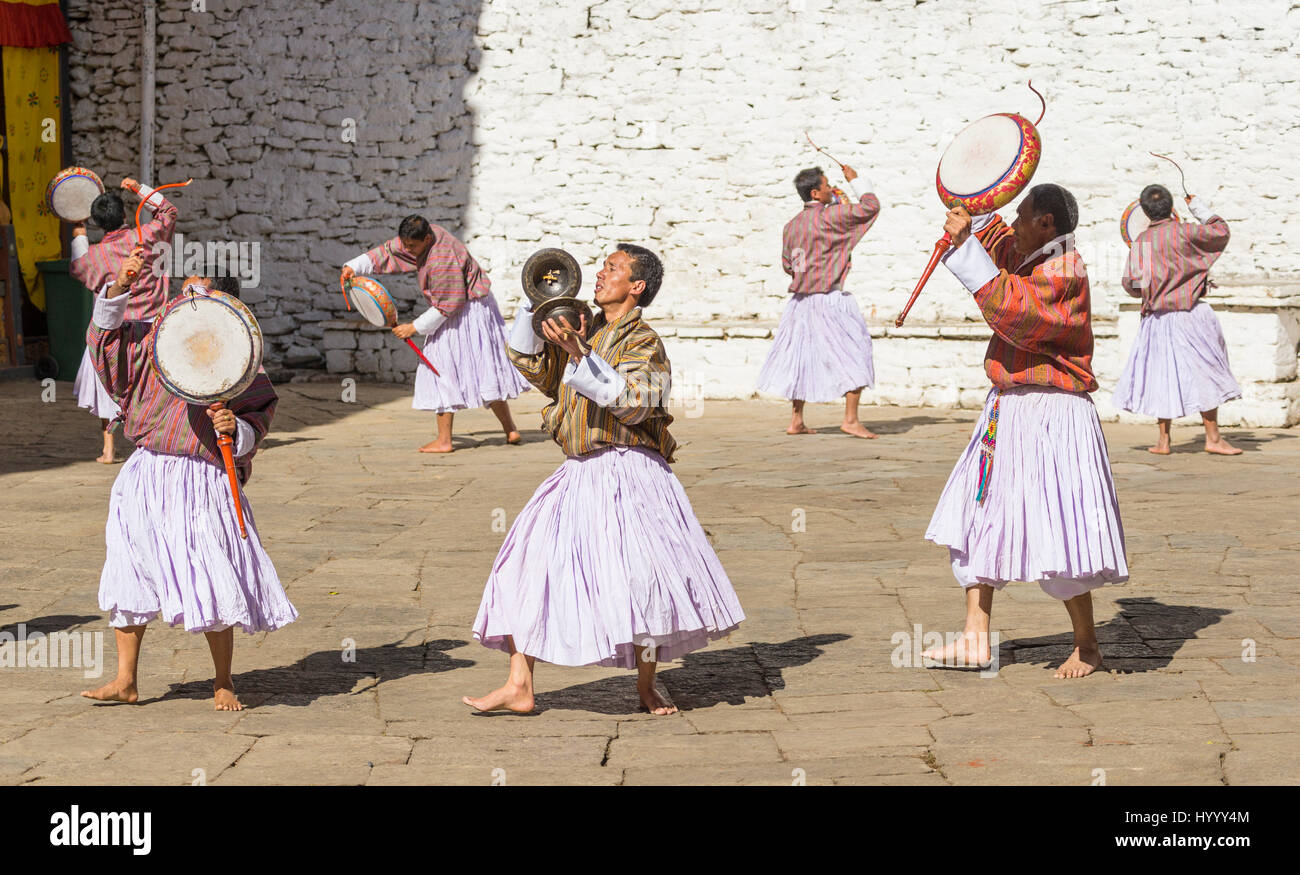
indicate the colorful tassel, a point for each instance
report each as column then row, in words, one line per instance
column 988, row 443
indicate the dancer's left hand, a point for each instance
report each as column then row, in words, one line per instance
column 404, row 332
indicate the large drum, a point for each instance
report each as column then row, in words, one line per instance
column 71, row 192
column 207, row 348
column 1134, row 222
column 372, row 301
column 989, row 163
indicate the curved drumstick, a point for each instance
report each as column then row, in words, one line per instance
column 139, row 231
column 939, row 249
column 1180, row 171
column 1042, row 99
column 824, row 152
column 226, row 443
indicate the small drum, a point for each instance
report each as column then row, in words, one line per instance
column 71, row 192
column 207, row 347
column 989, row 163
column 1134, row 222
column 372, row 301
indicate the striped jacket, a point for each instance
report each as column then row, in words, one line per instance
column 1169, row 263
column 102, row 261
column 448, row 275
column 1040, row 310
column 638, row 418
column 154, row 418
column 817, row 244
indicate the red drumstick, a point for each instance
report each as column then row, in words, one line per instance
column 428, row 363
column 227, row 444
column 139, row 231
column 939, row 249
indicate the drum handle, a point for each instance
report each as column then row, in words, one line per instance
column 227, row 445
column 427, row 363
column 939, row 249
column 139, row 231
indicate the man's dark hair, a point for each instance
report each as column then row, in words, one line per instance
column 414, row 228
column 806, row 180
column 227, row 284
column 1156, row 202
column 108, row 211
column 645, row 266
column 1054, row 200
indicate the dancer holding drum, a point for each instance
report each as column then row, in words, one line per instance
column 466, row 339
column 606, row 564
column 822, row 349
column 95, row 265
column 1179, row 364
column 1032, row 497
column 175, row 551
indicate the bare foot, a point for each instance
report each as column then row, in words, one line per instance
column 655, row 702
column 1161, row 449
column 511, row 697
column 964, row 651
column 514, row 437
column 436, row 446
column 799, row 428
column 108, row 458
column 1082, row 662
column 114, row 691
column 857, row 429
column 224, row 699
column 1222, row 448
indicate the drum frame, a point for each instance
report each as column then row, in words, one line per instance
column 1013, row 180
column 63, row 176
column 255, row 342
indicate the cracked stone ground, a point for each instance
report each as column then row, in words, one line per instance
column 821, row 535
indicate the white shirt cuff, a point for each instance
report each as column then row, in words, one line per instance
column 1201, row 210
column 80, row 246
column 152, row 199
column 860, row 186
column 245, row 438
column 360, row 265
column 522, row 337
column 109, row 313
column 971, row 264
column 979, row 223
column 429, row 321
column 594, row 378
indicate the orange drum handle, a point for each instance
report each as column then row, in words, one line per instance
column 427, row 363
column 139, row 231
column 344, row 285
column 227, row 445
column 939, row 249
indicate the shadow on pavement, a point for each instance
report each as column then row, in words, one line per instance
column 1144, row 636
column 704, row 679
column 324, row 673
column 52, row 623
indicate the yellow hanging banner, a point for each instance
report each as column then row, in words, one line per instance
column 33, row 140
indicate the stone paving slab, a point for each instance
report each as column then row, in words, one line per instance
column 384, row 551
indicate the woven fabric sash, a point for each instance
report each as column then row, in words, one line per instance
column 988, row 443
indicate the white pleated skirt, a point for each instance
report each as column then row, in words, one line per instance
column 1178, row 365
column 822, row 350
column 91, row 393
column 1050, row 513
column 469, row 351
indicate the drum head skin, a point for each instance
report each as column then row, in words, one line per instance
column 566, row 308
column 1134, row 222
column 71, row 192
column 551, row 273
column 372, row 301
column 207, row 348
column 989, row 163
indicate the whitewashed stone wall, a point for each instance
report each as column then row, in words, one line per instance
column 680, row 123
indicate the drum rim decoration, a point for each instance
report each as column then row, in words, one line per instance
column 1012, row 181
column 387, row 305
column 63, row 176
column 250, row 325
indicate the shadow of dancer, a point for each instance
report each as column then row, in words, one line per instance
column 704, row 678
column 1143, row 636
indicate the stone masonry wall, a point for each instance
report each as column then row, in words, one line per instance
column 681, row 123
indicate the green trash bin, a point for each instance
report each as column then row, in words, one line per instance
column 67, row 311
